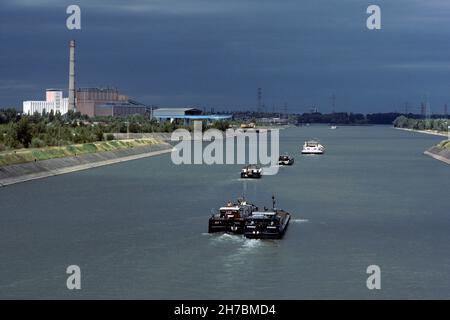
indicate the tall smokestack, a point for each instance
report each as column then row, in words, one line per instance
column 72, row 96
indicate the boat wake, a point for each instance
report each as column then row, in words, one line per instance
column 251, row 244
column 227, row 238
column 275, row 166
column 239, row 242
column 299, row 220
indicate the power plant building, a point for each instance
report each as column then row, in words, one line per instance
column 123, row 109
column 54, row 102
column 108, row 102
column 89, row 101
column 89, row 98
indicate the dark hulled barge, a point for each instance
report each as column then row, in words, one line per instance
column 267, row 224
column 285, row 160
column 231, row 218
column 251, row 172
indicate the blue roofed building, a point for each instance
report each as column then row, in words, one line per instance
column 186, row 115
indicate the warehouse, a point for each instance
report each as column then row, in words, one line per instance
column 185, row 115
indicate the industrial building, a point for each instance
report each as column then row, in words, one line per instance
column 108, row 102
column 89, row 101
column 274, row 121
column 123, row 109
column 186, row 115
column 90, row 98
column 54, row 102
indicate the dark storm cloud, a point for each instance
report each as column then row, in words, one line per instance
column 216, row 53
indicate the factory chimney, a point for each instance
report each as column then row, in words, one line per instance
column 72, row 96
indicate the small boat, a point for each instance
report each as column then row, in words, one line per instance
column 267, row 224
column 231, row 218
column 313, row 147
column 333, row 127
column 251, row 172
column 285, row 160
column 250, row 125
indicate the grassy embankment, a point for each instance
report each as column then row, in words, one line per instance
column 445, row 144
column 37, row 154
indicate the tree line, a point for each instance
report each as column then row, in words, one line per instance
column 24, row 131
column 422, row 124
column 49, row 129
column 346, row 118
column 342, row 118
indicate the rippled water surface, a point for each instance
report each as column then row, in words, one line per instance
column 138, row 229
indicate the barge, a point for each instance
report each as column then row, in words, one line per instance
column 285, row 160
column 267, row 224
column 251, row 172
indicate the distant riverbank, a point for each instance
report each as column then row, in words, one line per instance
column 92, row 157
column 432, row 132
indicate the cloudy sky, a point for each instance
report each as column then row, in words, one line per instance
column 216, row 53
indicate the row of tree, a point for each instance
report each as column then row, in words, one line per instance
column 8, row 115
column 49, row 129
column 422, row 124
column 343, row 118
column 25, row 133
column 356, row 118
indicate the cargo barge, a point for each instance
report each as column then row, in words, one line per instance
column 267, row 224
column 285, row 160
column 251, row 172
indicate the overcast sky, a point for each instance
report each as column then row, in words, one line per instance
column 212, row 53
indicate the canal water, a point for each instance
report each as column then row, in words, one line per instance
column 139, row 229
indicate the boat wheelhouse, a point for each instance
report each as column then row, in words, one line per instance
column 231, row 218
